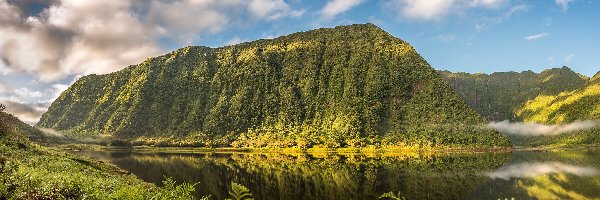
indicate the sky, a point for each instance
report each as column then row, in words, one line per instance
column 46, row 45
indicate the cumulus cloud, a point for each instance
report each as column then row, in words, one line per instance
column 73, row 37
column 535, row 129
column 564, row 4
column 336, row 7
column 19, row 93
column 272, row 9
column 28, row 104
column 526, row 169
column 68, row 37
column 536, row 36
column 438, row 9
column 27, row 113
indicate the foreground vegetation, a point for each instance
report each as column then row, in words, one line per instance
column 349, row 86
column 30, row 171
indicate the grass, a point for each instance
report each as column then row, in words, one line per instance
column 30, row 171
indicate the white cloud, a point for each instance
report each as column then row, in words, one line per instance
column 272, row 9
column 73, row 37
column 83, row 37
column 569, row 57
column 426, row 10
column 234, row 40
column 269, row 36
column 535, row 129
column 25, row 112
column 525, row 169
column 487, row 3
column 27, row 94
column 336, row 7
column 433, row 10
column 536, row 36
column 186, row 20
column 564, row 4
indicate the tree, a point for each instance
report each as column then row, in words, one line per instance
column 2, row 107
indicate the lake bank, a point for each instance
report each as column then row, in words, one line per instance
column 87, row 147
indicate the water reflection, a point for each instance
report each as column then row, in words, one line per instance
column 563, row 174
column 520, row 174
column 317, row 176
column 523, row 170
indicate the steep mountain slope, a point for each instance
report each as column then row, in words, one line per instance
column 500, row 95
column 349, row 85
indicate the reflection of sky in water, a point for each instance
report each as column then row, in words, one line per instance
column 527, row 169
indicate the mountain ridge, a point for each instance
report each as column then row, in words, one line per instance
column 343, row 86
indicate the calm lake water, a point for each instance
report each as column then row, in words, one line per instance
column 560, row 174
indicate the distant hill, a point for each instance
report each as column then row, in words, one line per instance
column 13, row 125
column 555, row 96
column 346, row 86
column 567, row 106
column 500, row 96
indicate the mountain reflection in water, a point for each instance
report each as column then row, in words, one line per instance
column 521, row 174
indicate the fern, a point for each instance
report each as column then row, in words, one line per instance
column 174, row 191
column 239, row 192
column 391, row 195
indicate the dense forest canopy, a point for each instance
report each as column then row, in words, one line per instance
column 499, row 96
column 343, row 86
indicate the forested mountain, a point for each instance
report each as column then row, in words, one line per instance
column 351, row 85
column 501, row 95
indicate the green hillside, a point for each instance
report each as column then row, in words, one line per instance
column 554, row 96
column 568, row 106
column 499, row 96
column 29, row 171
column 351, row 85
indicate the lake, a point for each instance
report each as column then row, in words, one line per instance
column 557, row 174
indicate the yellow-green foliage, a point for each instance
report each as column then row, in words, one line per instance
column 239, row 192
column 557, row 186
column 580, row 104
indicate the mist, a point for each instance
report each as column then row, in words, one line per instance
column 536, row 129
column 526, row 169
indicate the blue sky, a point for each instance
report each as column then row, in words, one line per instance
column 47, row 44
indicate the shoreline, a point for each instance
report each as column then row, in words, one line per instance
column 146, row 149
column 93, row 147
